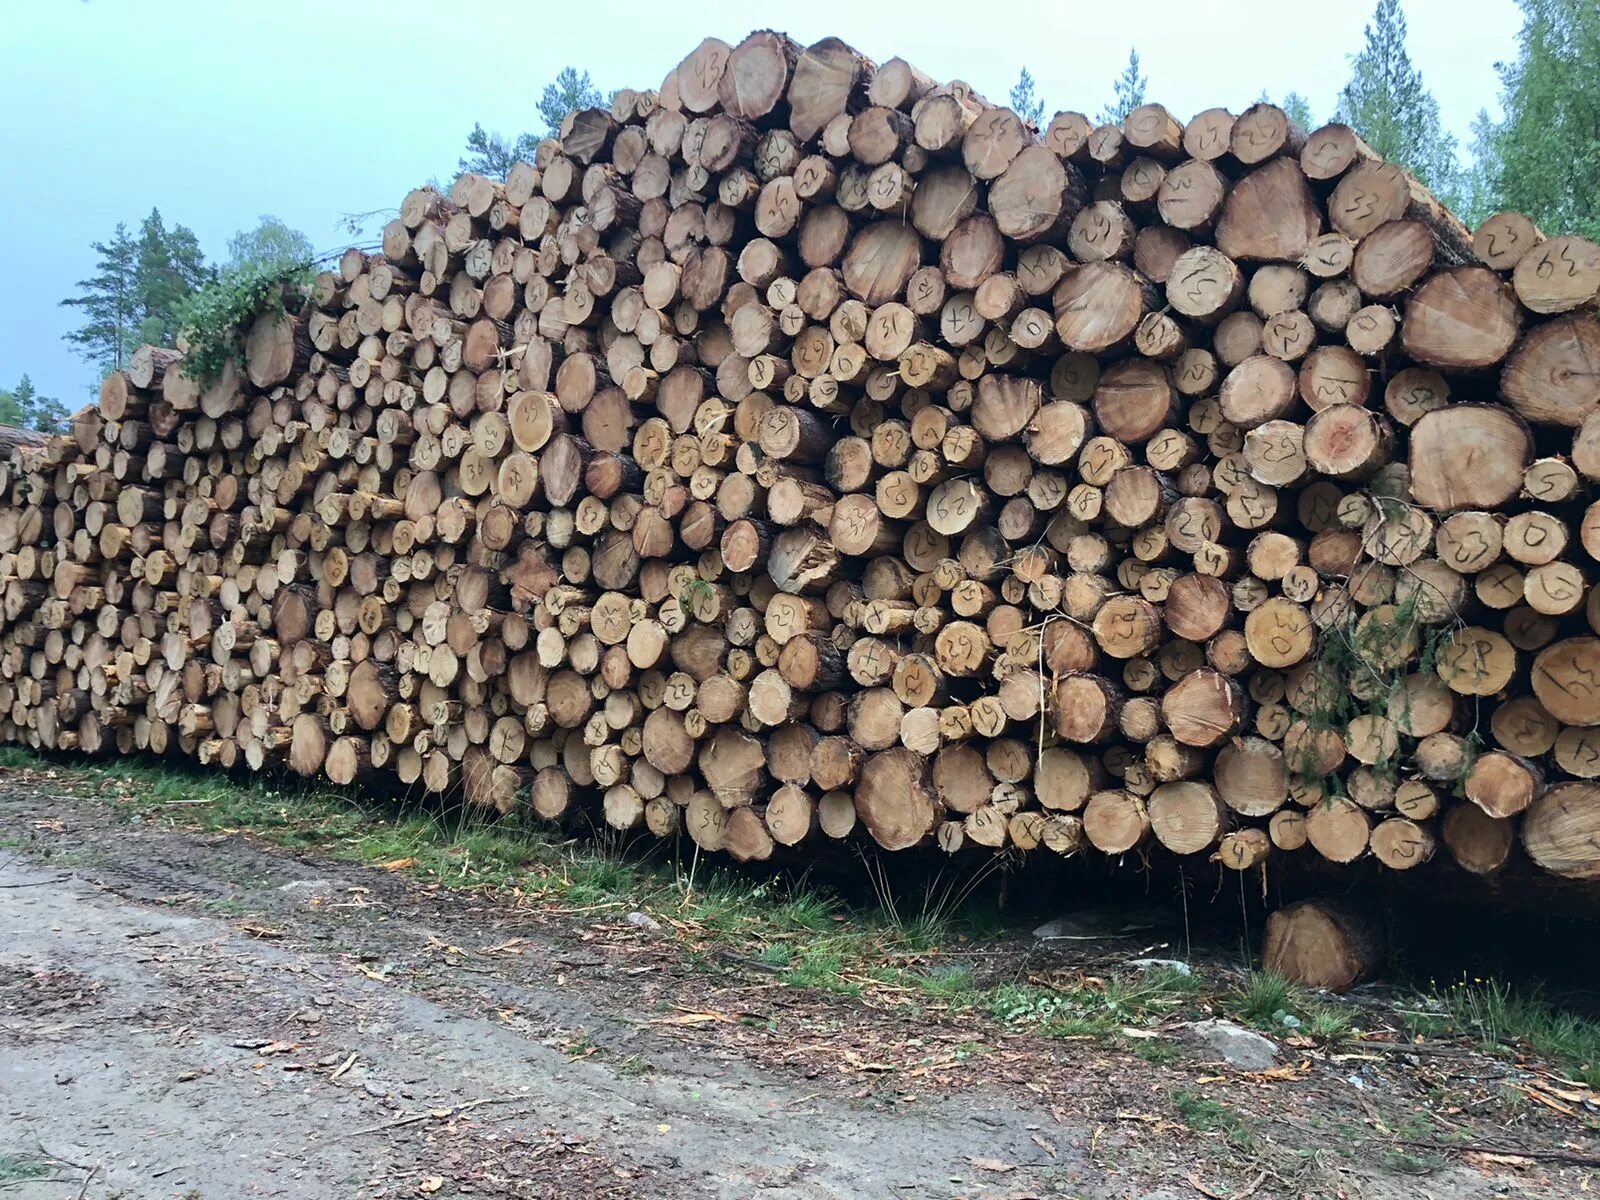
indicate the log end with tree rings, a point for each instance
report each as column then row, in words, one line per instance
column 1321, row 944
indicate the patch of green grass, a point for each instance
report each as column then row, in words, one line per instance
column 1328, row 1022
column 18, row 1168
column 635, row 1065
column 598, row 881
column 1262, row 997
column 1085, row 1025
column 1270, row 1002
column 1205, row 1115
column 582, row 1046
column 779, row 954
column 820, row 967
column 720, row 901
column 808, row 910
column 1500, row 1017
column 1096, row 1006
column 933, row 922
column 1403, row 1162
column 19, row 758
column 949, row 983
column 1157, row 1051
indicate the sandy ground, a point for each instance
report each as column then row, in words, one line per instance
column 205, row 1016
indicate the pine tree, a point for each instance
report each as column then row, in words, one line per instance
column 492, row 155
column 1127, row 92
column 24, row 407
column 1024, row 102
column 1547, row 150
column 1298, row 109
column 110, row 304
column 570, row 92
column 170, row 268
column 1387, row 103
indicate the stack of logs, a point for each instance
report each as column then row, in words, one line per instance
column 807, row 449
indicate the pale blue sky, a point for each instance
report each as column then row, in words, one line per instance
column 217, row 111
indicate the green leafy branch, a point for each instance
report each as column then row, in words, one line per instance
column 214, row 320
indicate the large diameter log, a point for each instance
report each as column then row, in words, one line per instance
column 828, row 77
column 895, row 798
column 733, row 765
column 1321, row 944
column 1270, row 215
column 1566, row 680
column 1202, row 709
column 757, row 74
column 1100, row 304
column 699, row 76
column 1187, row 817
column 274, row 347
column 1037, row 196
column 1477, row 842
column 1339, row 829
column 881, row 260
column 1464, row 319
column 1468, row 456
column 1553, row 376
column 1561, row 831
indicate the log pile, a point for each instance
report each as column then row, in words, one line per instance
column 808, row 450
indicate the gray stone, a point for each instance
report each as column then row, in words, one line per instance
column 643, row 921
column 1176, row 966
column 309, row 891
column 1238, row 1046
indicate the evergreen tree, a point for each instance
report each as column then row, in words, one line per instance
column 492, row 155
column 170, row 269
column 270, row 244
column 134, row 295
column 24, row 407
column 570, row 92
column 1387, row 103
column 1127, row 92
column 109, row 301
column 1298, row 109
column 1546, row 153
column 1024, row 102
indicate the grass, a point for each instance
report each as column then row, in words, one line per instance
column 1204, row 1115
column 1404, row 1162
column 1500, row 1018
column 904, row 949
column 820, row 967
column 803, row 930
column 1094, row 1006
column 1160, row 1053
column 1270, row 1002
column 1263, row 997
column 19, row 1168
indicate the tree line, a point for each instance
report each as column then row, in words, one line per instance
column 1541, row 157
column 149, row 285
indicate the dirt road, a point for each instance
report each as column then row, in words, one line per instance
column 206, row 1016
